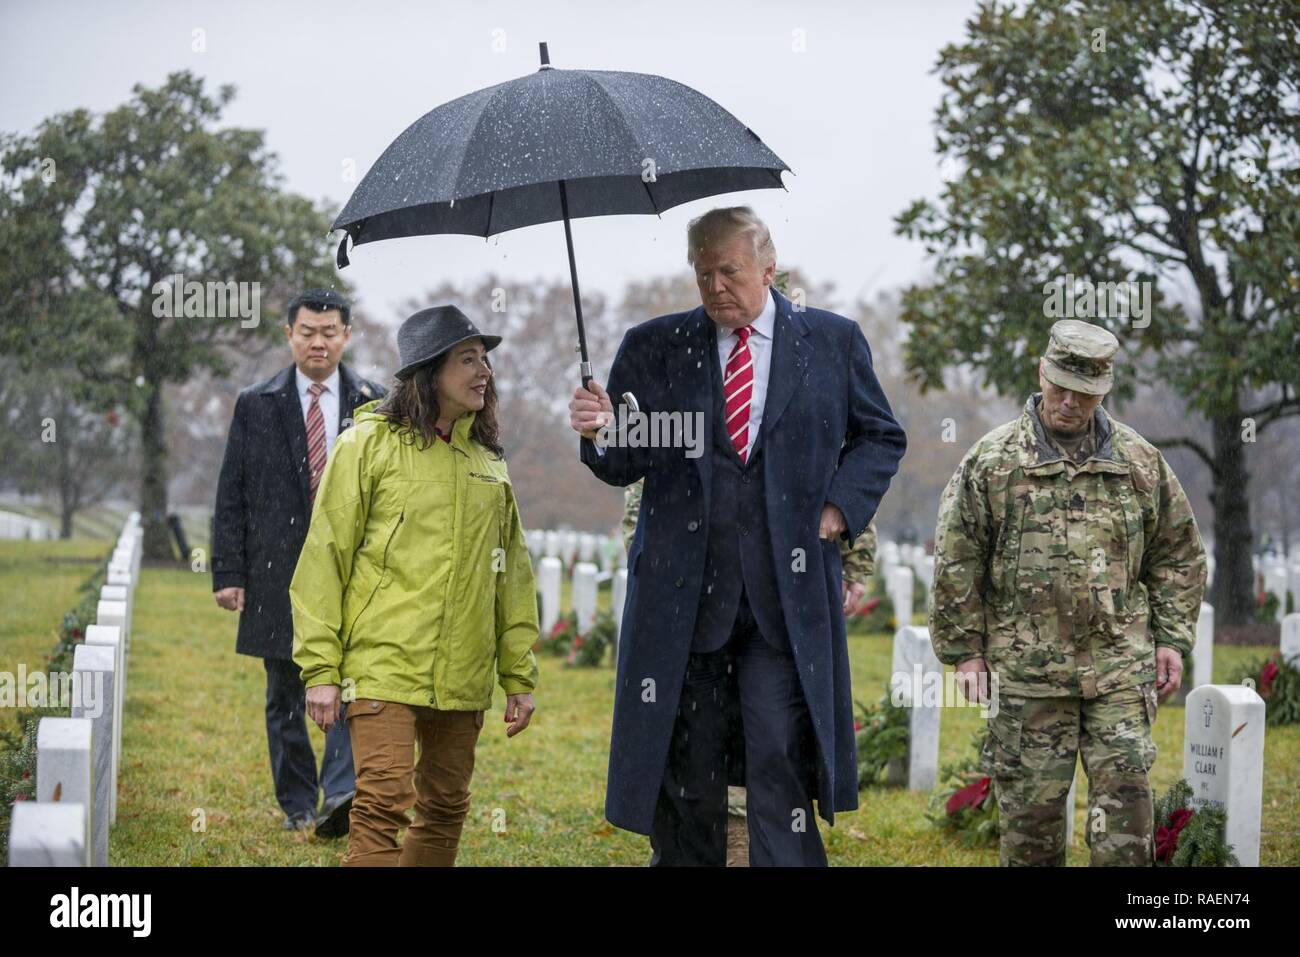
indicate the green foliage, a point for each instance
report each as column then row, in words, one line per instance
column 1201, row 842
column 160, row 190
column 879, row 618
column 1277, row 682
column 559, row 640
column 106, row 209
column 973, row 826
column 882, row 734
column 588, row 651
column 18, row 747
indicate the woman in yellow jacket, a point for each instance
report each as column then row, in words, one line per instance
column 414, row 591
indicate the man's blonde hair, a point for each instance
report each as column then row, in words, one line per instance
column 725, row 223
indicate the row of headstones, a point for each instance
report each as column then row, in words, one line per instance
column 890, row 555
column 1279, row 578
column 1223, row 756
column 586, row 581
column 15, row 526
column 77, row 758
column 605, row 551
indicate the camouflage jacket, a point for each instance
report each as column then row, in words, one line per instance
column 859, row 562
column 1065, row 576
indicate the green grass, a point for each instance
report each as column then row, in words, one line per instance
column 195, row 740
column 39, row 582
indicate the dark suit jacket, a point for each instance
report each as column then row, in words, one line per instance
column 828, row 435
column 263, row 510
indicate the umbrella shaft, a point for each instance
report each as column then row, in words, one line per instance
column 577, row 296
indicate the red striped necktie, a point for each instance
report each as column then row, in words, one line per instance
column 315, row 438
column 738, row 389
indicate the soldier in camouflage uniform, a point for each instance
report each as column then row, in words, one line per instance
column 1067, row 560
column 859, row 562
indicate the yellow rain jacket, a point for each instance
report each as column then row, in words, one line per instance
column 415, row 584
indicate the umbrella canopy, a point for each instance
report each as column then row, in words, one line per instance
column 555, row 145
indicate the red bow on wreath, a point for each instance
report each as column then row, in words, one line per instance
column 1267, row 675
column 866, row 608
column 973, row 795
column 1167, row 837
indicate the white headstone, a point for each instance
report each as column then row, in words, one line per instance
column 568, row 548
column 899, row 584
column 118, row 576
column 111, row 636
column 63, row 767
column 1203, row 650
column 549, row 573
column 47, row 835
column 1290, row 646
column 117, row 593
column 586, row 547
column 139, row 552
column 114, row 593
column 113, row 613
column 536, row 540
column 584, row 595
column 913, row 661
column 93, row 692
column 1223, row 760
column 553, row 544
column 1209, row 572
column 1275, row 581
column 925, row 571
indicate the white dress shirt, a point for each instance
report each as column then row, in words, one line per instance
column 760, row 349
column 329, row 404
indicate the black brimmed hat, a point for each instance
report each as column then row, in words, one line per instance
column 431, row 332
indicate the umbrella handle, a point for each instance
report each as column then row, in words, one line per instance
column 629, row 399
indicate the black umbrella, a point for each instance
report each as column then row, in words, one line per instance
column 557, row 144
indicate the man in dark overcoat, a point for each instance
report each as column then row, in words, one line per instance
column 280, row 437
column 733, row 629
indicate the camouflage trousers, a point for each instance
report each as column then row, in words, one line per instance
column 1030, row 753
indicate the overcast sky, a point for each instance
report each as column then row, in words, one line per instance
column 331, row 81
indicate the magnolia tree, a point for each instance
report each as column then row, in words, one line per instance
column 1133, row 165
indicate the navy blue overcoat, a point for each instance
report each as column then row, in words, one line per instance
column 828, row 435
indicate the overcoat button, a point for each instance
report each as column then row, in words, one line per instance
column 692, row 525
column 680, row 582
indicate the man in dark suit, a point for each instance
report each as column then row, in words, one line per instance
column 280, row 437
column 732, row 656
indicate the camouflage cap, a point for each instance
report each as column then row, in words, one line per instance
column 1080, row 357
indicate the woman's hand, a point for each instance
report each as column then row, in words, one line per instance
column 323, row 705
column 519, row 711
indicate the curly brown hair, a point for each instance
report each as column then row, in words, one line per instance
column 411, row 407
